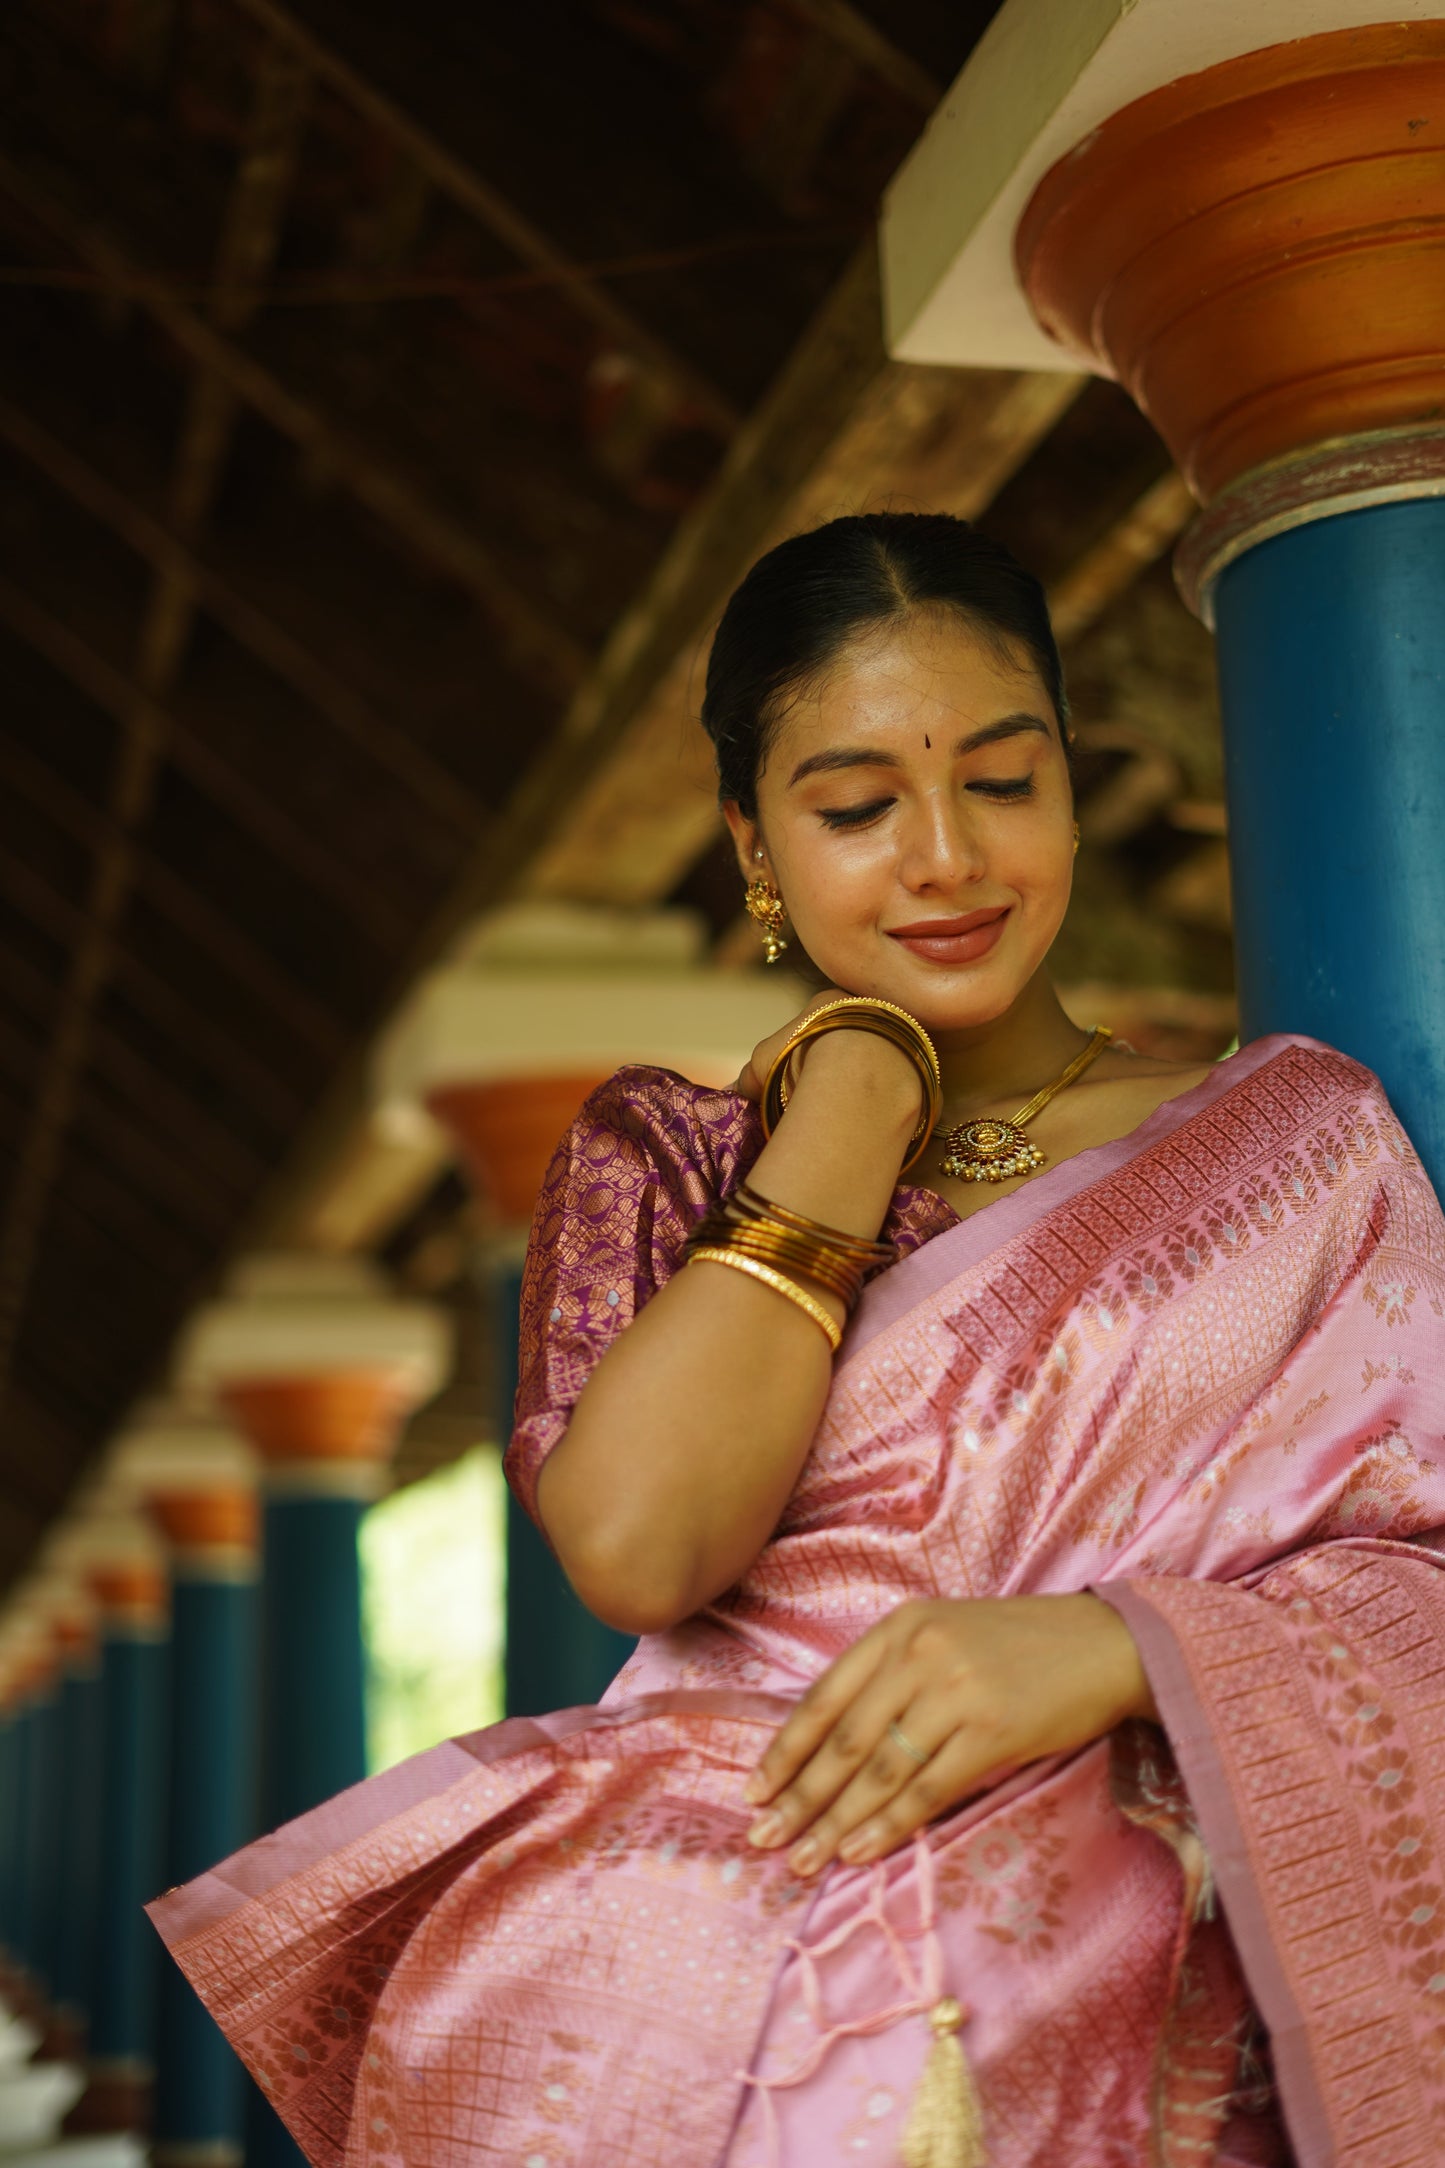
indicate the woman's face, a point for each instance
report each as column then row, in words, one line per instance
column 916, row 815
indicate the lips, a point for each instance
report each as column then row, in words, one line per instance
column 961, row 940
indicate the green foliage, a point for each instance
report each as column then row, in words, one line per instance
column 433, row 1577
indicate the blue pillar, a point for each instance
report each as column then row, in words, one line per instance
column 35, row 1887
column 200, row 2086
column 1332, row 680
column 9, row 1829
column 43, row 1849
column 78, row 1834
column 134, row 1681
column 313, row 1672
column 558, row 1655
column 313, row 1724
column 19, row 1881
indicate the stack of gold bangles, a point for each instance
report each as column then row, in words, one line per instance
column 781, row 1248
column 778, row 1247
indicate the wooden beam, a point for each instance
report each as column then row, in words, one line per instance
column 349, row 713
column 152, row 1205
column 536, row 642
column 188, row 1146
column 491, row 208
column 38, row 1444
column 1109, row 569
column 174, row 898
column 850, row 28
column 188, row 1028
column 254, row 213
column 301, row 852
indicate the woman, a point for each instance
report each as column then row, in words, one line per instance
column 1032, row 1751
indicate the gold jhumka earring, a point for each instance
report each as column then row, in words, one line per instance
column 766, row 909
column 1076, row 838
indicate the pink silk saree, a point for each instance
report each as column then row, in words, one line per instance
column 1200, row 1370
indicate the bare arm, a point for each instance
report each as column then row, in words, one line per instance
column 689, row 1436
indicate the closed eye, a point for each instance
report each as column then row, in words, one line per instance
column 1006, row 787
column 854, row 816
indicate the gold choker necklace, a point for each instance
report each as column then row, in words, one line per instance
column 991, row 1150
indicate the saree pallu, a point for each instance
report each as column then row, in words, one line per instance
column 1201, row 1371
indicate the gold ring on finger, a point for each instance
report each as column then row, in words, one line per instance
column 901, row 1740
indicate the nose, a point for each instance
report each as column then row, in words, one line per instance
column 939, row 851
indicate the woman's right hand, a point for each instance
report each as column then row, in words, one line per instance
column 867, row 1050
column 754, row 1073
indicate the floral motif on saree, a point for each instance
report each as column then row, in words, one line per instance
column 1201, row 1370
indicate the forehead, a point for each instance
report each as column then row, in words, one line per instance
column 933, row 671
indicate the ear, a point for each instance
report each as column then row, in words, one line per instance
column 747, row 841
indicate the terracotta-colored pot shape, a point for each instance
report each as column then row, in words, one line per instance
column 508, row 1129
column 1258, row 252
column 205, row 1520
column 133, row 1586
column 344, row 1415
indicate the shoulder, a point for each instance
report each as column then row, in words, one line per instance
column 1325, row 1094
column 1290, row 1060
column 640, row 1099
column 646, row 1127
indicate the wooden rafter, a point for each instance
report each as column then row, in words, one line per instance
column 491, row 208
column 205, row 1145
column 349, row 713
column 212, row 932
column 51, row 1450
column 850, row 28
column 139, row 1163
column 248, row 243
column 226, row 1053
column 300, row 851
column 1106, row 571
column 534, row 641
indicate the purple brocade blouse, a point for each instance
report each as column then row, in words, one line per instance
column 648, row 1154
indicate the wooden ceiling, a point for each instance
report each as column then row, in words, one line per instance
column 388, row 398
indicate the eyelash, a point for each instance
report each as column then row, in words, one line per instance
column 860, row 816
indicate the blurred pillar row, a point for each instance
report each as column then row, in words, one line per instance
column 186, row 1668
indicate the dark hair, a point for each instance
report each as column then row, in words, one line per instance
column 809, row 597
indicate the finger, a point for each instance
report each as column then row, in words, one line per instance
column 819, row 1710
column 956, row 1773
column 845, row 1747
column 907, row 1747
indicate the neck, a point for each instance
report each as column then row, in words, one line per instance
column 1010, row 1057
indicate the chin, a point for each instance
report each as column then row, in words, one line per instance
column 942, row 1000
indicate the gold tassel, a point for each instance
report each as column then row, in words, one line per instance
column 945, row 2123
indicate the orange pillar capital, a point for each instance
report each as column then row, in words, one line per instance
column 1257, row 251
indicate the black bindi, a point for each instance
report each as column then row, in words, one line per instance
column 927, row 743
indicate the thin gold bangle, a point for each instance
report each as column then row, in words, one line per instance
column 780, row 1284
column 796, row 1260
column 746, row 1200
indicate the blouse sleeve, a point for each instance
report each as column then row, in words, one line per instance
column 647, row 1154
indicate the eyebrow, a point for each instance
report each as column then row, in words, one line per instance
column 862, row 756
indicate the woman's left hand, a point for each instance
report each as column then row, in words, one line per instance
column 976, row 1688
